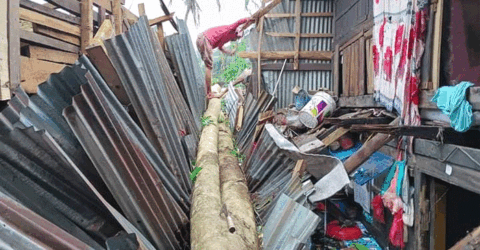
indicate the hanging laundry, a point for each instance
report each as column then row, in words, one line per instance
column 453, row 102
column 399, row 35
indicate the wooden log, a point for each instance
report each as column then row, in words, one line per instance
column 51, row 55
column 208, row 228
column 35, row 72
column 367, row 149
column 161, row 19
column 40, row 29
column 50, row 22
column 117, row 13
column 87, row 25
column 13, row 43
column 235, row 195
column 302, row 35
column 280, row 55
column 48, row 42
column 4, row 59
column 27, row 4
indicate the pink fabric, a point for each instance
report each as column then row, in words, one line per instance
column 399, row 35
column 219, row 36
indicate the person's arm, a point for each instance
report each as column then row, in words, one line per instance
column 226, row 51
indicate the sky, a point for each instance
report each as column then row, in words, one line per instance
column 210, row 16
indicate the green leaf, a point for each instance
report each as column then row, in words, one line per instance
column 194, row 173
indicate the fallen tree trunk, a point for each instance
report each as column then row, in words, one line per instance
column 208, row 228
column 235, row 196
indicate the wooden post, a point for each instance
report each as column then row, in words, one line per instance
column 13, row 46
column 336, row 71
column 161, row 35
column 259, row 56
column 117, row 14
column 86, row 28
column 437, row 45
column 361, row 66
column 101, row 15
column 298, row 26
column 141, row 9
column 4, row 57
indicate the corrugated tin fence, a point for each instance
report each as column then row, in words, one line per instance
column 307, row 79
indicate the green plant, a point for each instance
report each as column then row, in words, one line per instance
column 206, row 120
column 236, row 152
column 224, row 105
column 228, row 68
column 194, row 173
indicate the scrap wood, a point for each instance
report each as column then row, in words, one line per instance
column 425, row 132
column 335, row 135
column 368, row 148
column 471, row 241
column 350, row 121
column 239, row 122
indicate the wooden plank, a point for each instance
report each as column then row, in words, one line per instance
column 262, row 11
column 102, row 62
column 35, row 72
column 4, row 57
column 279, row 55
column 141, row 9
column 129, row 15
column 161, row 34
column 259, row 55
column 469, row 242
column 439, row 208
column 27, row 4
column 117, row 13
column 363, row 101
column 473, row 98
column 351, row 41
column 303, row 35
column 51, row 22
column 75, row 40
column 73, row 7
column 288, row 15
column 353, row 70
column 370, row 70
column 334, row 136
column 432, row 213
column 47, row 41
column 87, row 25
column 167, row 12
column 13, row 43
column 345, row 69
column 106, row 4
column 52, row 55
column 301, row 66
column 102, row 14
column 336, row 71
column 421, row 212
column 104, row 32
column 361, row 66
column 298, row 31
column 437, row 45
column 161, row 19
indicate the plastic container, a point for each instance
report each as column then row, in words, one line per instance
column 321, row 105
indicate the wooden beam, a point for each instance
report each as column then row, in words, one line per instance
column 167, row 12
column 363, row 101
column 161, row 19
column 301, row 66
column 51, row 55
column 35, row 72
column 437, row 45
column 141, row 9
column 72, row 7
column 290, row 15
column 13, row 43
column 106, row 4
column 128, row 14
column 336, row 71
column 47, row 41
column 352, row 40
column 367, row 149
column 471, row 241
column 298, row 31
column 87, row 25
column 117, row 13
column 361, row 67
column 279, row 55
column 27, row 4
column 259, row 56
column 51, row 22
column 261, row 12
column 102, row 15
column 4, row 55
column 161, row 35
column 303, row 35
column 473, row 97
column 40, row 29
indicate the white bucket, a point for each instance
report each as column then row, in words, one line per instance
column 322, row 105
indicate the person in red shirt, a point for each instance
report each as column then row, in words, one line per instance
column 217, row 37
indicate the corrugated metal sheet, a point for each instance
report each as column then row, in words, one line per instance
column 231, row 105
column 23, row 229
column 133, row 57
column 126, row 170
column 309, row 80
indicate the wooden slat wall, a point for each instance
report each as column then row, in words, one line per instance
column 357, row 68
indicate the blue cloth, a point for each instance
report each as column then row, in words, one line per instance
column 452, row 101
column 401, row 176
column 373, row 167
column 344, row 154
column 389, row 178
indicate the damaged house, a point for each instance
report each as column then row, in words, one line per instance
column 357, row 127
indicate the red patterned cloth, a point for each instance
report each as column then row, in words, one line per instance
column 219, row 36
column 399, row 35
